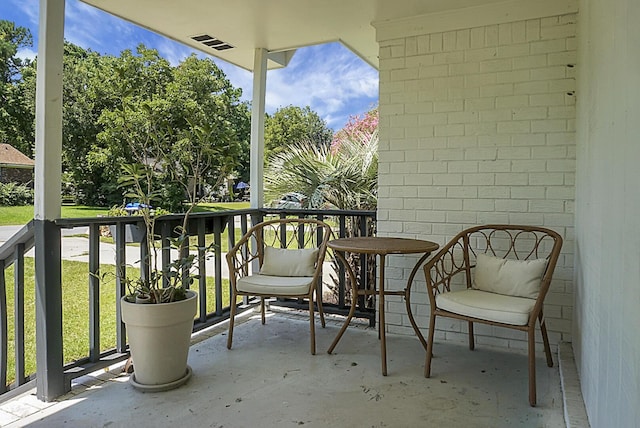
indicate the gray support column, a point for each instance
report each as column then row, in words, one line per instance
column 50, row 381
column 257, row 128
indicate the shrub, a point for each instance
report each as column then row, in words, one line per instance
column 12, row 194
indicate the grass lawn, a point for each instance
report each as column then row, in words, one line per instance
column 75, row 317
column 222, row 206
column 22, row 214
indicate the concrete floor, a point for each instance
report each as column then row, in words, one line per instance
column 269, row 379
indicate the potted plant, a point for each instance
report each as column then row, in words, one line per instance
column 165, row 163
column 159, row 308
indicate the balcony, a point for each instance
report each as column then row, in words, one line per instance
column 100, row 296
column 268, row 378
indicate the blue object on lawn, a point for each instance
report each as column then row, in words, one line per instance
column 132, row 207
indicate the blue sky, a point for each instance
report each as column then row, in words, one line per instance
column 329, row 78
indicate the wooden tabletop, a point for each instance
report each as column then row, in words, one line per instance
column 382, row 245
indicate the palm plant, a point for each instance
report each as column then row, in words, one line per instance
column 344, row 176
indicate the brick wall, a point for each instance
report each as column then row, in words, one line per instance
column 477, row 126
column 16, row 175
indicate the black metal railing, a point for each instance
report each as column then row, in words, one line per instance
column 222, row 229
column 12, row 253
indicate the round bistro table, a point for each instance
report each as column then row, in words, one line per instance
column 381, row 246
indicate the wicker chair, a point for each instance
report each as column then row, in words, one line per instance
column 279, row 258
column 497, row 275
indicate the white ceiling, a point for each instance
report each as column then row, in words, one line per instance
column 275, row 25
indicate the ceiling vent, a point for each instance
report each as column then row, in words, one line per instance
column 212, row 42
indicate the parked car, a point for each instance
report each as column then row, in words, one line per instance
column 292, row 200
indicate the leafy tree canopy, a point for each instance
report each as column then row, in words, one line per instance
column 291, row 125
column 358, row 127
column 188, row 120
column 12, row 38
column 15, row 117
column 114, row 107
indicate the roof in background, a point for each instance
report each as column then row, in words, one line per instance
column 10, row 156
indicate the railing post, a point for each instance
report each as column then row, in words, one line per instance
column 341, row 270
column 202, row 269
column 4, row 338
column 49, row 357
column 18, row 299
column 121, row 275
column 218, row 226
column 94, row 292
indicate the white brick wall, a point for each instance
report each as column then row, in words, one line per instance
column 477, row 126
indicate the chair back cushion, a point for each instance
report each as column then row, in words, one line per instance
column 519, row 278
column 286, row 262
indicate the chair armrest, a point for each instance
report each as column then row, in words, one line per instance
column 439, row 271
column 240, row 258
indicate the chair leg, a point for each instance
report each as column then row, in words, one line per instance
column 472, row 344
column 545, row 340
column 427, row 363
column 232, row 317
column 532, row 366
column 320, row 309
column 312, row 328
column 262, row 311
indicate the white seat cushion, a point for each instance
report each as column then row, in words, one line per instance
column 519, row 278
column 487, row 306
column 275, row 285
column 286, row 262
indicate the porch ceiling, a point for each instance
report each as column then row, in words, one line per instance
column 275, row 25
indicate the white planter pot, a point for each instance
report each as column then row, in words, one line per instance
column 159, row 338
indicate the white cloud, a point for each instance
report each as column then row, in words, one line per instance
column 327, row 78
column 330, row 79
column 27, row 53
column 31, row 8
column 91, row 28
column 173, row 52
column 85, row 25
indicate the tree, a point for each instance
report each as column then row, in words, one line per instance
column 292, row 125
column 16, row 119
column 358, row 127
column 136, row 85
column 109, row 101
column 87, row 91
column 187, row 121
column 213, row 120
column 12, row 38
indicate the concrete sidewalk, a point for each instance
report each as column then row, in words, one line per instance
column 76, row 248
column 7, row 232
